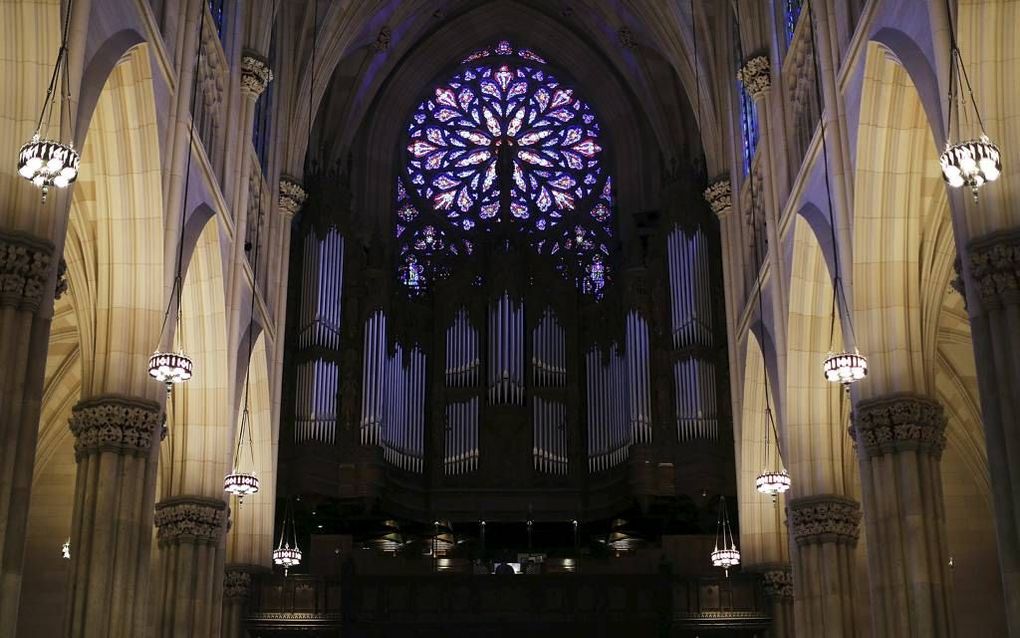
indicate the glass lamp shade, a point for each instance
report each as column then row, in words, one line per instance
column 772, row 483
column 845, row 367
column 241, row 484
column 726, row 557
column 971, row 163
column 48, row 163
column 287, row 557
column 170, row 367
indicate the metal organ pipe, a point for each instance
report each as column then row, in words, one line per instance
column 549, row 452
column 609, row 435
column 548, row 352
column 462, row 360
column 638, row 378
column 373, row 378
column 461, row 437
column 506, row 351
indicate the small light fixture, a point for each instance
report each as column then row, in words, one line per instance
column 47, row 162
column 240, row 482
column 725, row 553
column 772, row 483
column 845, row 367
column 65, row 550
column 287, row 553
column 170, row 368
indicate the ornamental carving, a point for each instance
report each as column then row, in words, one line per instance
column 719, row 198
column 24, row 268
column 112, row 423
column 777, row 582
column 236, row 583
column 825, row 518
column 292, row 196
column 255, row 73
column 995, row 267
column 755, row 76
column 190, row 519
column 626, row 38
column 897, row 423
column 382, row 41
column 62, row 284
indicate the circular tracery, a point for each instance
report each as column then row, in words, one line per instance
column 503, row 142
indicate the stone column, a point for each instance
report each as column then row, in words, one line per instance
column 116, row 438
column 824, row 528
column 237, row 583
column 191, row 532
column 994, row 308
column 26, row 264
column 777, row 585
column 900, row 439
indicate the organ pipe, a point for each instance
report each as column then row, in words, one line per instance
column 639, row 378
column 548, row 352
column 549, row 431
column 690, row 288
column 462, row 356
column 696, row 399
column 609, row 436
column 506, row 351
column 373, row 382
column 461, row 438
column 403, row 424
column 315, row 409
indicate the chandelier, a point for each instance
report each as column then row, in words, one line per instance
column 772, row 483
column 239, row 482
column 170, row 368
column 65, row 550
column 725, row 553
column 845, row 367
column 47, row 162
column 287, row 553
column 972, row 162
column 773, row 480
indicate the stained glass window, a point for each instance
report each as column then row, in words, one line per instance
column 748, row 114
column 793, row 8
column 504, row 142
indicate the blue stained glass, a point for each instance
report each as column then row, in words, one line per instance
column 793, row 8
column 504, row 141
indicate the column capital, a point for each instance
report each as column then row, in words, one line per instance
column 292, row 196
column 995, row 267
column 114, row 423
column 24, row 268
column 755, row 76
column 255, row 74
column 237, row 582
column 719, row 197
column 382, row 40
column 824, row 518
column 899, row 422
column 190, row 519
column 777, row 580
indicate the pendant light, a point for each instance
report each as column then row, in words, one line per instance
column 844, row 367
column 46, row 162
column 969, row 162
column 287, row 553
column 169, row 367
column 725, row 554
column 774, row 479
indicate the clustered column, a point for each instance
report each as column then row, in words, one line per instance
column 116, row 441
column 191, row 533
column 25, row 267
column 825, row 529
column 900, row 440
column 995, row 326
column 777, row 585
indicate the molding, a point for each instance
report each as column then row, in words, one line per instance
column 190, row 519
column 719, row 196
column 255, row 74
column 755, row 76
column 114, row 423
column 995, row 267
column 898, row 423
column 292, row 196
column 824, row 518
column 25, row 262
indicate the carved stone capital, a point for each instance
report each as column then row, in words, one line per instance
column 24, row 267
column 995, row 267
column 626, row 38
column 237, row 582
column 255, row 73
column 114, row 423
column 777, row 581
column 382, row 40
column 824, row 518
column 62, row 283
column 755, row 76
column 190, row 519
column 292, row 196
column 719, row 197
column 899, row 422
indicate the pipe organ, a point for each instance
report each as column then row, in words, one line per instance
column 608, row 434
column 694, row 374
column 548, row 352
column 639, row 378
column 373, row 378
column 462, row 360
column 460, row 437
column 506, row 351
column 549, row 431
column 403, row 423
column 318, row 372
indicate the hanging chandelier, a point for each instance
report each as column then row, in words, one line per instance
column 772, row 483
column 46, row 162
column 773, row 480
column 170, row 368
column 973, row 162
column 845, row 367
column 287, row 553
column 239, row 482
column 725, row 553
column 65, row 550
